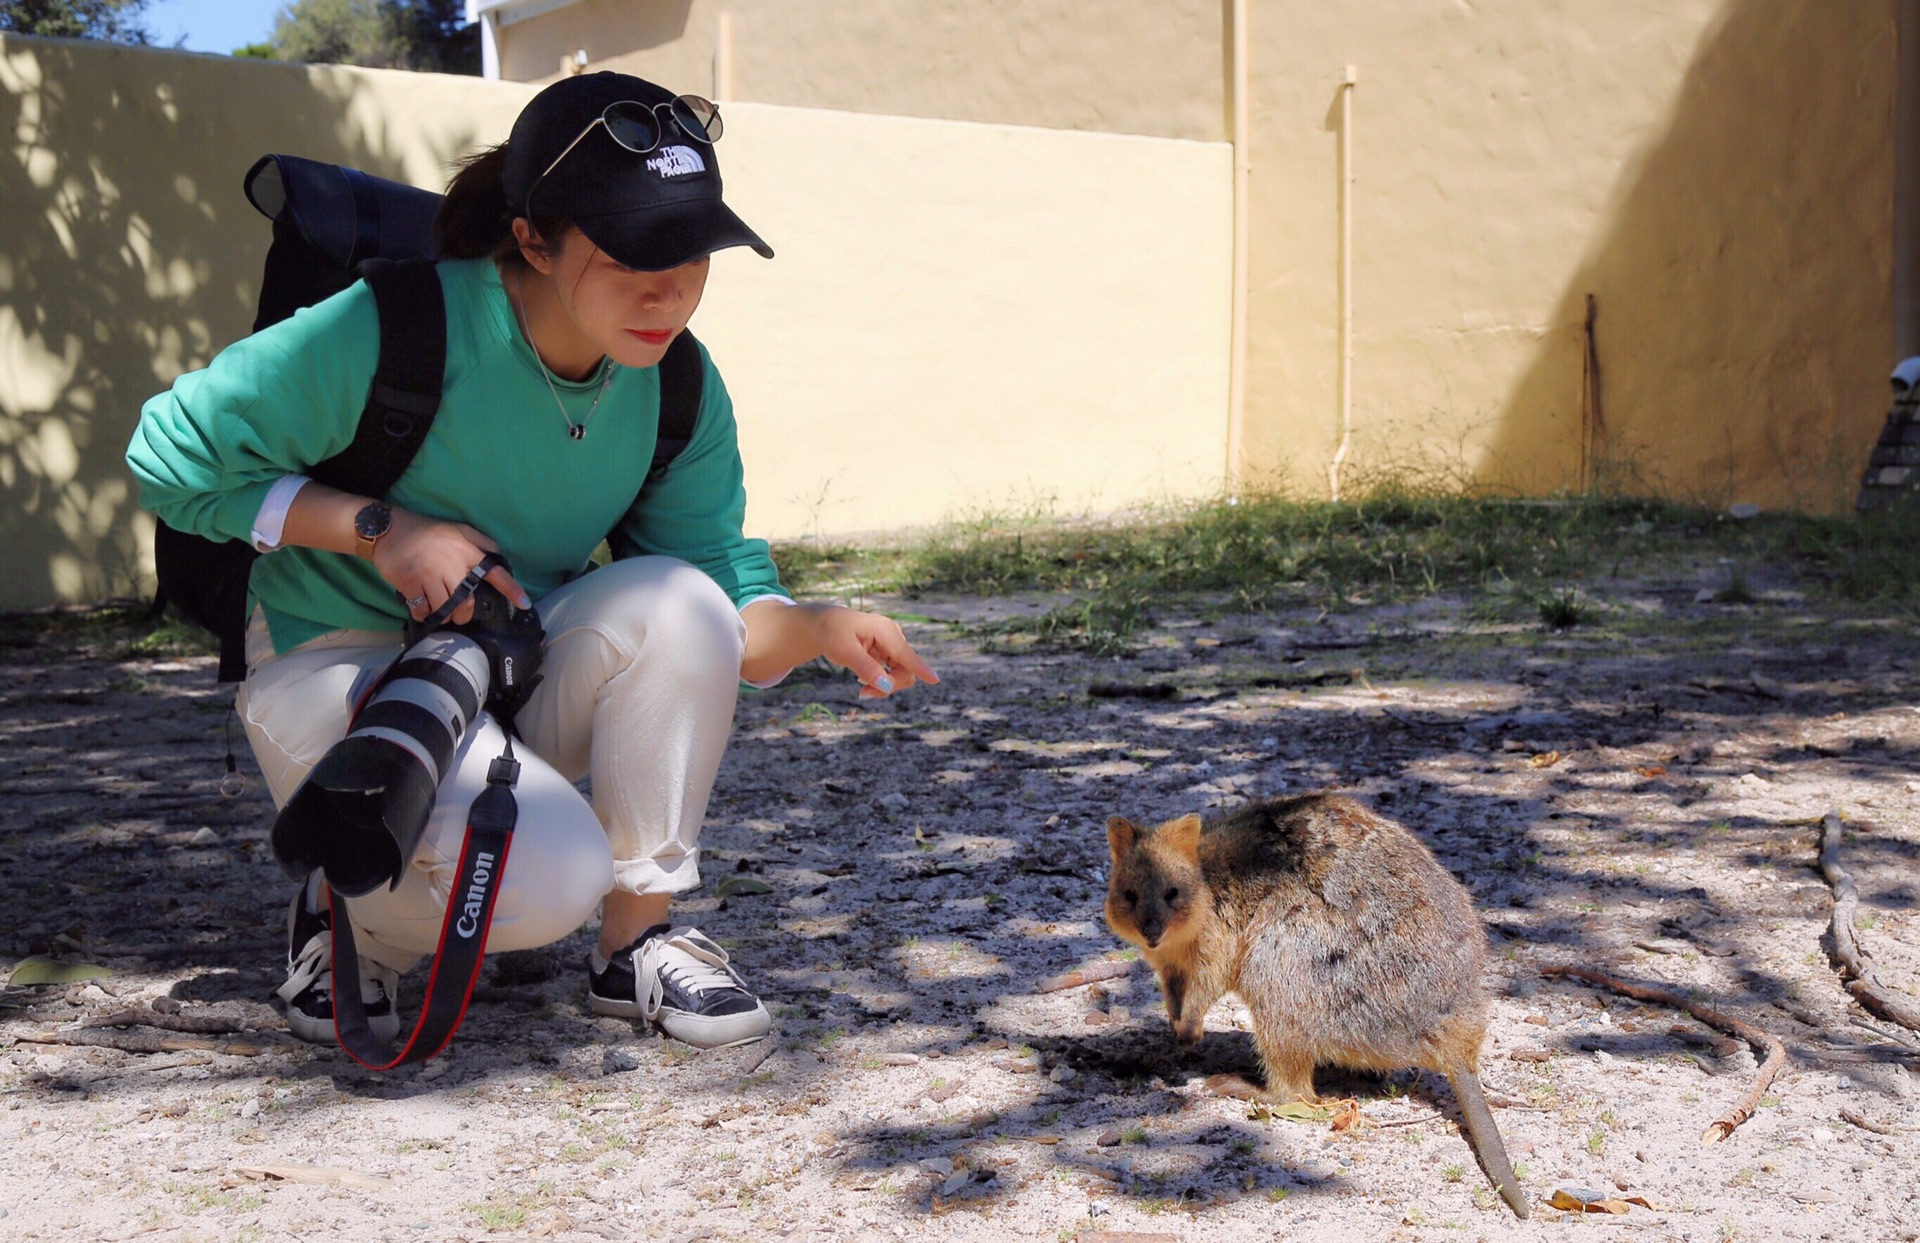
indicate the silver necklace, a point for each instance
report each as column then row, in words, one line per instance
column 578, row 431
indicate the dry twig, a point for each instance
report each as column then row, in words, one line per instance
column 1847, row 952
column 1092, row 973
column 143, row 1016
column 312, row 1175
column 143, row 1042
column 1776, row 1053
column 1867, row 1124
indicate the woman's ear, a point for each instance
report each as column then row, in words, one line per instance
column 534, row 249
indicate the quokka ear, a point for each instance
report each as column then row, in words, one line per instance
column 1122, row 833
column 1181, row 836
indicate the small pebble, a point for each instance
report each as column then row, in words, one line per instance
column 1107, row 1139
column 1063, row 1074
column 205, row 837
column 250, row 1109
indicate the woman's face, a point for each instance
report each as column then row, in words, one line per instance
column 630, row 316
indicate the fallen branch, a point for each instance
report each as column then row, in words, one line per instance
column 133, row 1041
column 143, row 1016
column 1776, row 1053
column 1092, row 973
column 1847, row 952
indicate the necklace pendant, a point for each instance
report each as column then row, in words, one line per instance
column 577, row 431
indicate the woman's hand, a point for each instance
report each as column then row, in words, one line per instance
column 425, row 560
column 872, row 647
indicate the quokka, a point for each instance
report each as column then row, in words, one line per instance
column 1347, row 940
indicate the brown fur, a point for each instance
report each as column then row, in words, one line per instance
column 1348, row 941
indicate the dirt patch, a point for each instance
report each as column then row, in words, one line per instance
column 1640, row 793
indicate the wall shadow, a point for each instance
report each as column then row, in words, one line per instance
column 1755, row 229
column 132, row 256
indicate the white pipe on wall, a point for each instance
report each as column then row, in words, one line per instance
column 1348, row 79
column 723, row 59
column 1242, row 184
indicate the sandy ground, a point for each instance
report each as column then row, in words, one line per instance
column 1639, row 794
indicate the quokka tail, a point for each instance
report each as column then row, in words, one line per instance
column 1485, row 1138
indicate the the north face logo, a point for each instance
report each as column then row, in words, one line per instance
column 677, row 162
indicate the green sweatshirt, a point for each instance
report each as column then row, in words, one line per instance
column 499, row 458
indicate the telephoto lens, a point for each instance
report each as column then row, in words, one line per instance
column 361, row 811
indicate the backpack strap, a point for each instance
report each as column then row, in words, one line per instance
column 405, row 393
column 682, row 376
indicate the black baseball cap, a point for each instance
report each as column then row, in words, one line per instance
column 650, row 211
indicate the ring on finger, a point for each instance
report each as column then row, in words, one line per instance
column 417, row 602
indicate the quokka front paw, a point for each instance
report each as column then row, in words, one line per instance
column 1187, row 1031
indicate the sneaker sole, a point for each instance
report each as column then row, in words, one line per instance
column 725, row 1032
column 320, row 1031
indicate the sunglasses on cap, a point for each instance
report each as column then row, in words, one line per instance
column 638, row 127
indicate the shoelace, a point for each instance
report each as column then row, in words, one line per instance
column 708, row 969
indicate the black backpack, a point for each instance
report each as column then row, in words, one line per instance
column 332, row 226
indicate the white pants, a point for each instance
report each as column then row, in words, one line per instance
column 639, row 681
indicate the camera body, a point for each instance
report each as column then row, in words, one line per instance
column 362, row 810
column 512, row 640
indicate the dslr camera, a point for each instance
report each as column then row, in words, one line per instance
column 362, row 810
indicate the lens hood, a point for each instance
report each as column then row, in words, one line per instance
column 359, row 815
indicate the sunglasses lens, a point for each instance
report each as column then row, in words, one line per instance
column 699, row 117
column 632, row 126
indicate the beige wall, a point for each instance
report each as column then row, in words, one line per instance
column 1717, row 173
column 965, row 317
column 128, row 254
column 961, row 316
column 1150, row 67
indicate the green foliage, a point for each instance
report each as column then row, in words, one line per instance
column 112, row 21
column 426, row 35
column 257, row 51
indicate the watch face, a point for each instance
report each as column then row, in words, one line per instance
column 373, row 520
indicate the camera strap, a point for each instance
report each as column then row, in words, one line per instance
column 463, row 933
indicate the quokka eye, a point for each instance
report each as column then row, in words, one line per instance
column 1173, row 895
column 1133, row 899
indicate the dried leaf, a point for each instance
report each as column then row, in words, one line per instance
column 1546, row 759
column 1581, row 1200
column 1652, row 770
column 1347, row 1117
column 1292, row 1111
column 741, row 884
column 39, row 969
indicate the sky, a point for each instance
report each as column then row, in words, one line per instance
column 211, row 25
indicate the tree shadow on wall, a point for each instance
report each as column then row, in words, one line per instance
column 131, row 256
column 1755, row 228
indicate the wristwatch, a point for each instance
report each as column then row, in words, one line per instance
column 374, row 520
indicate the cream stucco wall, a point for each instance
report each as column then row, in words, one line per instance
column 966, row 317
column 1151, row 67
column 961, row 315
column 128, row 254
column 1718, row 174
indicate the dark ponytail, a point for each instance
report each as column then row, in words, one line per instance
column 475, row 221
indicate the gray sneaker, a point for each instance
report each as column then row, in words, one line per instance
column 679, row 980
